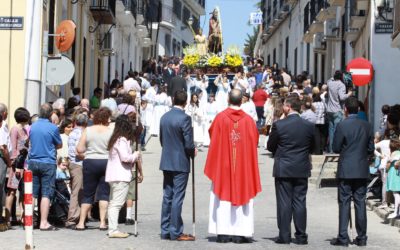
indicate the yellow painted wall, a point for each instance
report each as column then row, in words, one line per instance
column 12, row 58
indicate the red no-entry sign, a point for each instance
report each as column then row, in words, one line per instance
column 361, row 71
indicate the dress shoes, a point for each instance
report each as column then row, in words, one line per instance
column 185, row 237
column 300, row 242
column 129, row 222
column 337, row 242
column 360, row 243
column 165, row 236
column 221, row 238
column 281, row 241
column 241, row 240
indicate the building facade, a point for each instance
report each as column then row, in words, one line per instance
column 173, row 31
column 321, row 36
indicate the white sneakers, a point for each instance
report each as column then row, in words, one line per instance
column 392, row 216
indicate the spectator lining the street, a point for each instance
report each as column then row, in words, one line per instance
column 96, row 98
column 119, row 170
column 393, row 177
column 45, row 140
column 93, row 147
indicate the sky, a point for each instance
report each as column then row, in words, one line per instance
column 235, row 15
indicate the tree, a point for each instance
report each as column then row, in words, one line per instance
column 250, row 42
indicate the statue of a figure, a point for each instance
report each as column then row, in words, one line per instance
column 201, row 42
column 215, row 33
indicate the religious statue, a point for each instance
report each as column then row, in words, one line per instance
column 201, row 43
column 215, row 33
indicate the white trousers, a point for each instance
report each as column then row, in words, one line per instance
column 230, row 220
column 118, row 194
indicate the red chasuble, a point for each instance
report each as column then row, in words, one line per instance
column 232, row 163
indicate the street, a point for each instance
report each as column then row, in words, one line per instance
column 322, row 218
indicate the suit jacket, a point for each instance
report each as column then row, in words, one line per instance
column 167, row 76
column 291, row 142
column 176, row 137
column 354, row 141
column 177, row 83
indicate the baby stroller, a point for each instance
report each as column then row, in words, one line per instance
column 60, row 203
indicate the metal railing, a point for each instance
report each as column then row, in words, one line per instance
column 168, row 15
column 396, row 20
column 103, row 5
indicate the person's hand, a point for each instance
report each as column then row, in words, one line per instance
column 350, row 93
column 139, row 156
column 140, row 178
column 195, row 152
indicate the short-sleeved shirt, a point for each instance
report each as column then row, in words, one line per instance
column 44, row 137
column 73, row 141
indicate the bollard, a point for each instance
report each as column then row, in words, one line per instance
column 28, row 203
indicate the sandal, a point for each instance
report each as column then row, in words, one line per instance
column 50, row 228
column 78, row 228
column 103, row 228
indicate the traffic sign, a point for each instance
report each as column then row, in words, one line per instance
column 361, row 71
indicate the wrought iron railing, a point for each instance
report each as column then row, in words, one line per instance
column 103, row 5
column 168, row 15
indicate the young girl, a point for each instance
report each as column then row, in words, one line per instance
column 393, row 177
column 382, row 153
column 118, row 174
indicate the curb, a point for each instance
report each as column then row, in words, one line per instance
column 382, row 213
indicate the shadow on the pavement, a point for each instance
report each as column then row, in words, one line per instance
column 212, row 239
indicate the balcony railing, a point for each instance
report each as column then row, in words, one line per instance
column 396, row 21
column 103, row 11
column 168, row 15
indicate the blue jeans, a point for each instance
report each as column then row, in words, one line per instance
column 143, row 137
column 333, row 119
column 44, row 178
column 174, row 188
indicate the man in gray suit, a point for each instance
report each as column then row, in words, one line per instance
column 176, row 137
column 354, row 141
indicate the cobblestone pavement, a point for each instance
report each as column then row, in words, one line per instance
column 322, row 218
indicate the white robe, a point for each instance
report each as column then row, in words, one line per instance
column 162, row 105
column 197, row 115
column 230, row 220
column 250, row 109
column 221, row 98
column 211, row 113
column 150, row 97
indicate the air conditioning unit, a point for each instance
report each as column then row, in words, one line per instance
column 318, row 41
column 330, row 29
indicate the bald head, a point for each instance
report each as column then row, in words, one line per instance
column 45, row 111
column 235, row 97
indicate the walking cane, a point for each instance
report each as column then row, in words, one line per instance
column 136, row 165
column 193, row 201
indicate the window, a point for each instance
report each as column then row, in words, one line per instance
column 308, row 58
column 269, row 60
column 50, row 45
column 295, row 62
column 286, row 52
column 98, row 72
column 274, row 57
column 186, row 15
column 73, row 60
column 316, row 67
column 167, row 44
column 178, row 9
column 323, row 68
column 84, row 67
column 306, row 17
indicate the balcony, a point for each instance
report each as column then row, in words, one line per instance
column 351, row 35
column 168, row 18
column 196, row 7
column 139, row 11
column 340, row 3
column 103, row 11
column 316, row 27
column 396, row 25
column 358, row 15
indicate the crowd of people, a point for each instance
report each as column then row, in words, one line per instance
column 92, row 147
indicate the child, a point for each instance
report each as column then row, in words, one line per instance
column 62, row 173
column 382, row 153
column 393, row 177
column 118, row 174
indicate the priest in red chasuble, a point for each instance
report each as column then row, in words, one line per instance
column 232, row 166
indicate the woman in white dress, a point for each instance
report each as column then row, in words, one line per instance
column 150, row 98
column 211, row 112
column 201, row 82
column 197, row 115
column 162, row 105
column 221, row 97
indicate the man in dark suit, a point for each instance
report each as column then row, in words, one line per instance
column 177, row 83
column 176, row 137
column 291, row 142
column 354, row 141
column 168, row 74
